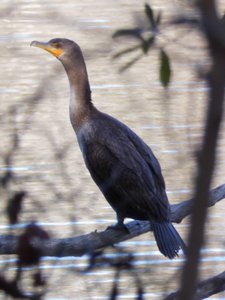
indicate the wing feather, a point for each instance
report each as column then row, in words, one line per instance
column 126, row 171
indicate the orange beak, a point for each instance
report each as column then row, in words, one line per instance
column 46, row 46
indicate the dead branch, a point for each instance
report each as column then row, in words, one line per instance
column 80, row 245
column 214, row 34
column 206, row 288
column 183, row 209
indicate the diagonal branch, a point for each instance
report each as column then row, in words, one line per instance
column 78, row 246
column 206, row 288
column 183, row 209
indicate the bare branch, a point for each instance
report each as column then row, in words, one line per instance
column 10, row 288
column 77, row 246
column 214, row 33
column 206, row 288
column 183, row 209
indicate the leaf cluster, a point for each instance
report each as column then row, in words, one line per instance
column 147, row 38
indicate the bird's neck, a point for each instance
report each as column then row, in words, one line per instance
column 80, row 94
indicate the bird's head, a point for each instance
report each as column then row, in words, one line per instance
column 58, row 47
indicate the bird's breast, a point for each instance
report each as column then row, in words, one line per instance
column 85, row 135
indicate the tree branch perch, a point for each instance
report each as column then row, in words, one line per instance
column 80, row 245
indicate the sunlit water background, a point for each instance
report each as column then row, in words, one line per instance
column 48, row 163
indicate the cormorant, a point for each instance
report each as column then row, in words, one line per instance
column 121, row 164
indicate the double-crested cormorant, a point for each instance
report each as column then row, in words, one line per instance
column 120, row 163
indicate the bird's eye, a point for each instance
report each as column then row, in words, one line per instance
column 55, row 45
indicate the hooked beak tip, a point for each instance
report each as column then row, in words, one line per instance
column 35, row 44
column 48, row 47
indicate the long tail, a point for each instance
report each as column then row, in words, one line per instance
column 168, row 239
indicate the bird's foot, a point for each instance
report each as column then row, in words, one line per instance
column 119, row 227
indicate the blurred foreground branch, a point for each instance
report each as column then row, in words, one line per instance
column 88, row 243
column 205, row 288
column 11, row 289
column 213, row 29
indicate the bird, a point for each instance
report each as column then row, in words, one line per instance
column 121, row 164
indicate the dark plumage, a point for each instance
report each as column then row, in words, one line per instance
column 121, row 164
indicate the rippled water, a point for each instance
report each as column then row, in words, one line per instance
column 48, row 163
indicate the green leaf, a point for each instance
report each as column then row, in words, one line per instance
column 165, row 70
column 134, row 32
column 147, row 44
column 150, row 15
column 131, row 63
column 158, row 19
column 126, row 51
